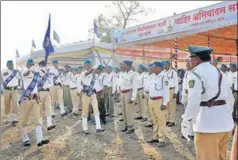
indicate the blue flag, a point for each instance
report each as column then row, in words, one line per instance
column 17, row 54
column 56, row 37
column 47, row 45
column 96, row 31
column 33, row 44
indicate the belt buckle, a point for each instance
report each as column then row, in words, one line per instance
column 209, row 104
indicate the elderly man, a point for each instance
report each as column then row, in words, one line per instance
column 209, row 106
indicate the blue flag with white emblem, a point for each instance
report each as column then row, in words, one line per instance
column 47, row 45
column 96, row 31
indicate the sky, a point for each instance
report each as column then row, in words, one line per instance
column 22, row 21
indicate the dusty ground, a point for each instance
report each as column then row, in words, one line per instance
column 69, row 143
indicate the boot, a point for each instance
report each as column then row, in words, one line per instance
column 25, row 138
column 98, row 124
column 50, row 126
column 62, row 111
column 39, row 136
column 85, row 125
column 124, row 129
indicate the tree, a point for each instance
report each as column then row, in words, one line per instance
column 125, row 13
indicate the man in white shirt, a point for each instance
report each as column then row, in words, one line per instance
column 140, row 94
column 234, row 90
column 30, row 103
column 74, row 91
column 209, row 107
column 56, row 91
column 147, row 81
column 173, row 86
column 121, row 77
column 10, row 83
column 111, row 90
column 159, row 97
column 44, row 83
column 98, row 88
column 128, row 95
column 89, row 97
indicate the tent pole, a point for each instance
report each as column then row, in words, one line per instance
column 176, row 52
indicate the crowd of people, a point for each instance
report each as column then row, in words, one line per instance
column 208, row 93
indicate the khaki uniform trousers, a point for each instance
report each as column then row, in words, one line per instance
column 46, row 104
column 110, row 100
column 10, row 101
column 31, row 108
column 67, row 98
column 147, row 107
column 170, row 117
column 56, row 93
column 142, row 104
column 86, row 100
column 211, row 146
column 127, row 108
column 158, row 118
column 75, row 100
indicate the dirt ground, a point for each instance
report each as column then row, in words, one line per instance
column 67, row 142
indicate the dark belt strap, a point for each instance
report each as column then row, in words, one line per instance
column 31, row 97
column 213, row 103
column 73, row 88
column 44, row 90
column 140, row 88
column 156, row 98
column 172, row 88
column 11, row 88
column 98, row 92
column 235, row 91
column 125, row 91
column 57, row 84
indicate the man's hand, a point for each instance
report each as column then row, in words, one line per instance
column 175, row 96
column 163, row 107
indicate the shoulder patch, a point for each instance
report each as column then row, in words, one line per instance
column 166, row 83
column 191, row 83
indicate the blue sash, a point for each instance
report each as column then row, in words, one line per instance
column 14, row 73
column 56, row 77
column 30, row 88
column 41, row 83
column 89, row 89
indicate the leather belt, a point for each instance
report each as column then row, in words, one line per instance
column 236, row 91
column 31, row 97
column 42, row 90
column 11, row 88
column 57, row 84
column 140, row 88
column 98, row 92
column 125, row 91
column 73, row 88
column 156, row 98
column 171, row 87
column 213, row 103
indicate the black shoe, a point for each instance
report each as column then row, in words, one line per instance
column 43, row 143
column 107, row 114
column 161, row 144
column 171, row 124
column 130, row 131
column 153, row 141
column 149, row 125
column 64, row 114
column 167, row 123
column 100, row 130
column 119, row 114
column 86, row 132
column 138, row 118
column 50, row 127
column 191, row 137
column 14, row 123
column 75, row 114
column 124, row 130
column 121, row 119
column 26, row 144
column 53, row 116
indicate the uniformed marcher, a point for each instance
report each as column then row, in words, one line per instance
column 30, row 103
column 56, row 91
column 89, row 97
column 159, row 97
column 128, row 96
column 121, row 77
column 140, row 94
column 234, row 91
column 149, row 77
column 111, row 90
column 209, row 107
column 11, row 78
column 98, row 88
column 44, row 83
column 173, row 86
column 74, row 90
